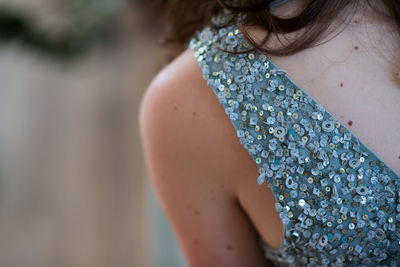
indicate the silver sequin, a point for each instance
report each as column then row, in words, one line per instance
column 338, row 201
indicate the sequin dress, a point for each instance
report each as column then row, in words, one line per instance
column 338, row 201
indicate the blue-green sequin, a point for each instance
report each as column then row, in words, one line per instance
column 339, row 202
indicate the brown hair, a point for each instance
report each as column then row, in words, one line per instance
column 185, row 17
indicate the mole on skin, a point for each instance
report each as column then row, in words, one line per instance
column 175, row 108
column 356, row 47
column 196, row 212
column 229, row 247
column 341, row 84
column 350, row 123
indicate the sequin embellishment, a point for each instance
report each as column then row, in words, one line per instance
column 339, row 202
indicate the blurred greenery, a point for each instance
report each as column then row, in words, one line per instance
column 84, row 22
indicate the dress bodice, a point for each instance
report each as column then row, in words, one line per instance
column 338, row 201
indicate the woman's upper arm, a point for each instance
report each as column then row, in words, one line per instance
column 190, row 148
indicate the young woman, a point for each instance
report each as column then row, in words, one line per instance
column 274, row 138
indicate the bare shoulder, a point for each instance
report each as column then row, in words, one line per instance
column 185, row 116
column 184, row 112
column 194, row 158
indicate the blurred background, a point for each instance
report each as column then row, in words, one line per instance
column 74, row 189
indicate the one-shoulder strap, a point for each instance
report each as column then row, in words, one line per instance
column 249, row 89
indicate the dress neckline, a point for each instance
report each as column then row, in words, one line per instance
column 257, row 53
column 274, row 65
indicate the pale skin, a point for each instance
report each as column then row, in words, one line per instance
column 206, row 180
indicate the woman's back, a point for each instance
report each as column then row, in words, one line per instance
column 358, row 88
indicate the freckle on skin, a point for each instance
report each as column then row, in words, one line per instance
column 175, row 108
column 356, row 47
column 222, row 186
column 194, row 113
column 229, row 247
column 350, row 123
column 356, row 21
column 195, row 242
column 196, row 212
column 341, row 84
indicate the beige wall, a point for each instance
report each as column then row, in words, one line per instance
column 73, row 188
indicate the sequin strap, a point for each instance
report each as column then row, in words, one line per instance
column 231, row 77
column 239, row 82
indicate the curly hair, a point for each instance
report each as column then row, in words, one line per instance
column 183, row 18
